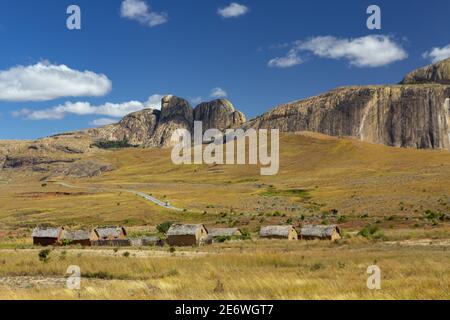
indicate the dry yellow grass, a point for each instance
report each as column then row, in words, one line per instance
column 365, row 184
column 393, row 187
column 267, row 270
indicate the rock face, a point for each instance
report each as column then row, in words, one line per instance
column 153, row 128
column 218, row 114
column 176, row 113
column 402, row 116
column 436, row 73
column 137, row 128
column 415, row 114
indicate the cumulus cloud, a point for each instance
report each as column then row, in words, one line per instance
column 218, row 93
column 44, row 81
column 369, row 51
column 140, row 11
column 437, row 54
column 233, row 10
column 114, row 110
column 290, row 60
column 102, row 122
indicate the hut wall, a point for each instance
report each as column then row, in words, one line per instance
column 84, row 243
column 183, row 240
column 111, row 243
column 45, row 241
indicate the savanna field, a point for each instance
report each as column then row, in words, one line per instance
column 392, row 204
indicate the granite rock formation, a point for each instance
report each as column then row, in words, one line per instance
column 436, row 73
column 412, row 115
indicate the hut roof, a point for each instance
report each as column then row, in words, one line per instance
column 279, row 231
column 46, row 232
column 184, row 229
column 106, row 232
column 224, row 232
column 320, row 231
column 76, row 235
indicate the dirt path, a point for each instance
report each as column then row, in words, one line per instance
column 143, row 195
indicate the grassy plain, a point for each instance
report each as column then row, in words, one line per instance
column 321, row 180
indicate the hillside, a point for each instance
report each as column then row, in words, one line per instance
column 321, row 179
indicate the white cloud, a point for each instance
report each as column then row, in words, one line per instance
column 233, row 10
column 369, row 51
column 115, row 110
column 44, row 81
column 140, row 11
column 102, row 122
column 218, row 93
column 290, row 60
column 437, row 54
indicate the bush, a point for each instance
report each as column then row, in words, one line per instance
column 113, row 144
column 433, row 217
column 126, row 254
column 372, row 232
column 164, row 227
column 223, row 239
column 44, row 255
column 368, row 231
column 316, row 266
column 66, row 242
column 246, row 235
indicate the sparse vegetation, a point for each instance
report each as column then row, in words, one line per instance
column 113, row 144
column 44, row 255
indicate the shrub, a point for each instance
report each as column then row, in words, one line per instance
column 126, row 254
column 246, row 235
column 44, row 255
column 113, row 144
column 368, row 231
column 433, row 217
column 372, row 232
column 316, row 266
column 223, row 239
column 66, row 242
column 164, row 227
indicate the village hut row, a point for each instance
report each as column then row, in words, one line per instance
column 97, row 236
column 177, row 235
column 307, row 232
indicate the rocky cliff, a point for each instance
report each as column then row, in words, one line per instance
column 137, row 128
column 413, row 115
column 436, row 73
column 218, row 114
column 153, row 128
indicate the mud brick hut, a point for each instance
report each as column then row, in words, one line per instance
column 186, row 235
column 321, row 232
column 217, row 233
column 47, row 236
column 79, row 237
column 111, row 233
column 279, row 232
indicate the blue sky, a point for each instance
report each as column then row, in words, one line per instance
column 189, row 48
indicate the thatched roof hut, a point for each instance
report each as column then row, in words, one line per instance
column 111, row 233
column 322, row 232
column 279, row 232
column 46, row 236
column 79, row 237
column 186, row 234
column 222, row 232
